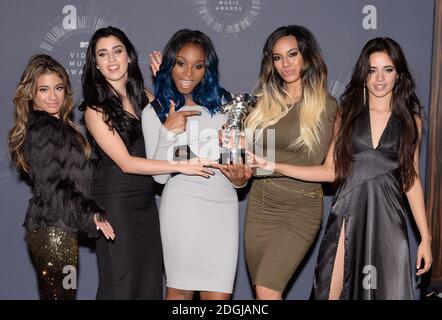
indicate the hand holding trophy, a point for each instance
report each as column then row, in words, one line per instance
column 232, row 146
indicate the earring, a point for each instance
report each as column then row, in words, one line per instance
column 365, row 95
column 98, row 68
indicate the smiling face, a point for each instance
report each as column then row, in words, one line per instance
column 50, row 93
column 112, row 60
column 189, row 70
column 288, row 60
column 382, row 76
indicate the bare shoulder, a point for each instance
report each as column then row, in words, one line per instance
column 91, row 114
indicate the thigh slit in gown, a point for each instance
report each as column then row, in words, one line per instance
column 371, row 204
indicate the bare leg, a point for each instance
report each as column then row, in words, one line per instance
column 263, row 293
column 178, row 294
column 211, row 295
column 337, row 280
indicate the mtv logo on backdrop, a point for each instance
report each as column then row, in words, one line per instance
column 84, row 44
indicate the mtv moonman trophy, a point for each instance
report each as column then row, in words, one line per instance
column 232, row 149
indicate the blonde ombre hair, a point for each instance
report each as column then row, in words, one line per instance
column 272, row 106
column 38, row 65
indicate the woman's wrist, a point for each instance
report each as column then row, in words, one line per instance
column 177, row 166
column 167, row 133
column 239, row 184
column 426, row 238
column 276, row 167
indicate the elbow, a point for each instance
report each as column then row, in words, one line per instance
column 330, row 176
column 124, row 166
column 124, row 169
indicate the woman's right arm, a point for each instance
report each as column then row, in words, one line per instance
column 112, row 144
column 321, row 173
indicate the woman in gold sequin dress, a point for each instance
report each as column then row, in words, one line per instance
column 48, row 147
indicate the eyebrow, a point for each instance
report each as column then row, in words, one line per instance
column 288, row 51
column 114, row 47
column 46, row 86
column 198, row 61
column 387, row 66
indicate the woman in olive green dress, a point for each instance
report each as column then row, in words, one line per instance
column 284, row 214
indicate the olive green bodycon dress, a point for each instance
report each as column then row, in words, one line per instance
column 284, row 214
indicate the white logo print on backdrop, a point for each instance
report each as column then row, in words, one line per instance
column 69, row 33
column 228, row 17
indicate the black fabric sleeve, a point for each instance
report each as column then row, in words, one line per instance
column 81, row 207
column 48, row 151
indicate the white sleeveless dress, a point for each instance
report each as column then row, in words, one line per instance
column 198, row 216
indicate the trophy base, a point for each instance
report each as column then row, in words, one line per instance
column 232, row 156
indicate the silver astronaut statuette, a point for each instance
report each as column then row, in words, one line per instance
column 232, row 146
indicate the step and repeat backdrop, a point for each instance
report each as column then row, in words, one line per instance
column 238, row 29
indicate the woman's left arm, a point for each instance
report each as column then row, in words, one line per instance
column 415, row 198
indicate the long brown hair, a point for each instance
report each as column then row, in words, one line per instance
column 404, row 104
column 38, row 65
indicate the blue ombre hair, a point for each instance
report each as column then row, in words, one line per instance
column 207, row 93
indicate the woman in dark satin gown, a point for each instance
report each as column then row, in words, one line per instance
column 374, row 160
column 130, row 267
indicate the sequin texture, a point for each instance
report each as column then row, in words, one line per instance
column 53, row 250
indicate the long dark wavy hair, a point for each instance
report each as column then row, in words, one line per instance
column 405, row 106
column 208, row 93
column 99, row 94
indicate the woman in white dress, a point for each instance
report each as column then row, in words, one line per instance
column 198, row 216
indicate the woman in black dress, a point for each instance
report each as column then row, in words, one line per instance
column 114, row 96
column 48, row 147
column 374, row 158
